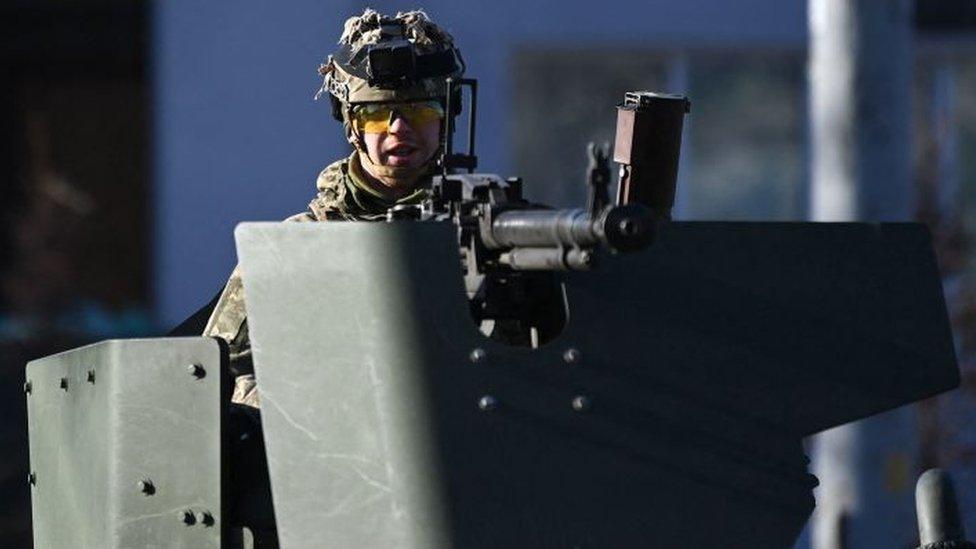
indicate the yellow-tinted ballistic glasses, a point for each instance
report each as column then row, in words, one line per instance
column 377, row 117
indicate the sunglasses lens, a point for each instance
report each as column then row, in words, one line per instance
column 376, row 118
column 372, row 118
column 421, row 113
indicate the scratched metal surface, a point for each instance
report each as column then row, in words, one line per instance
column 106, row 416
column 705, row 360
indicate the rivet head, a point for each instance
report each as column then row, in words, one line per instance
column 478, row 355
column 64, row 383
column 32, row 478
column 581, row 403
column 188, row 517
column 28, row 387
column 91, row 376
column 487, row 403
column 147, row 487
column 571, row 356
column 205, row 518
column 196, row 371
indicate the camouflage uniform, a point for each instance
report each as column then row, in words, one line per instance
column 342, row 195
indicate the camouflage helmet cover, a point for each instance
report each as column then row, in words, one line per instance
column 422, row 53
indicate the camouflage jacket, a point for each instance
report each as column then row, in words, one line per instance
column 341, row 196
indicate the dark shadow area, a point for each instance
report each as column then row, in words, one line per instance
column 74, row 221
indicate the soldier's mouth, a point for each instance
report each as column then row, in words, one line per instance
column 400, row 153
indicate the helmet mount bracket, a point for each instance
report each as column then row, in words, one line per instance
column 450, row 160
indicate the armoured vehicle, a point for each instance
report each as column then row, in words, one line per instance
column 484, row 372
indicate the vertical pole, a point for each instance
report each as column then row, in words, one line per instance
column 472, row 116
column 859, row 70
column 452, row 85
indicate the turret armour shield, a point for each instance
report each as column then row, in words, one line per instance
column 668, row 412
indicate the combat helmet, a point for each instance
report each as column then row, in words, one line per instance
column 388, row 59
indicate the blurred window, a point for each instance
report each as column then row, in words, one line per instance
column 743, row 155
column 565, row 98
column 746, row 141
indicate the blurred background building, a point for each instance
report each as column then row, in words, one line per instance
column 134, row 136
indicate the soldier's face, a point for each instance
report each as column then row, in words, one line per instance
column 404, row 144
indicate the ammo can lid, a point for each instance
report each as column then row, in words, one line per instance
column 637, row 99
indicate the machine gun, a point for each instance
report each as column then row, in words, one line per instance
column 510, row 247
column 502, row 230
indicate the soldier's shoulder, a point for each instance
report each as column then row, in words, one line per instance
column 331, row 178
column 331, row 191
column 229, row 313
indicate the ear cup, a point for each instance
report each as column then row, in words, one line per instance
column 336, row 107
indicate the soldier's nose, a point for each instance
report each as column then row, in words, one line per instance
column 398, row 124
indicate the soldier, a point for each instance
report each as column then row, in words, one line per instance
column 387, row 87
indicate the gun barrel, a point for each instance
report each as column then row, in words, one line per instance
column 571, row 228
column 623, row 228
